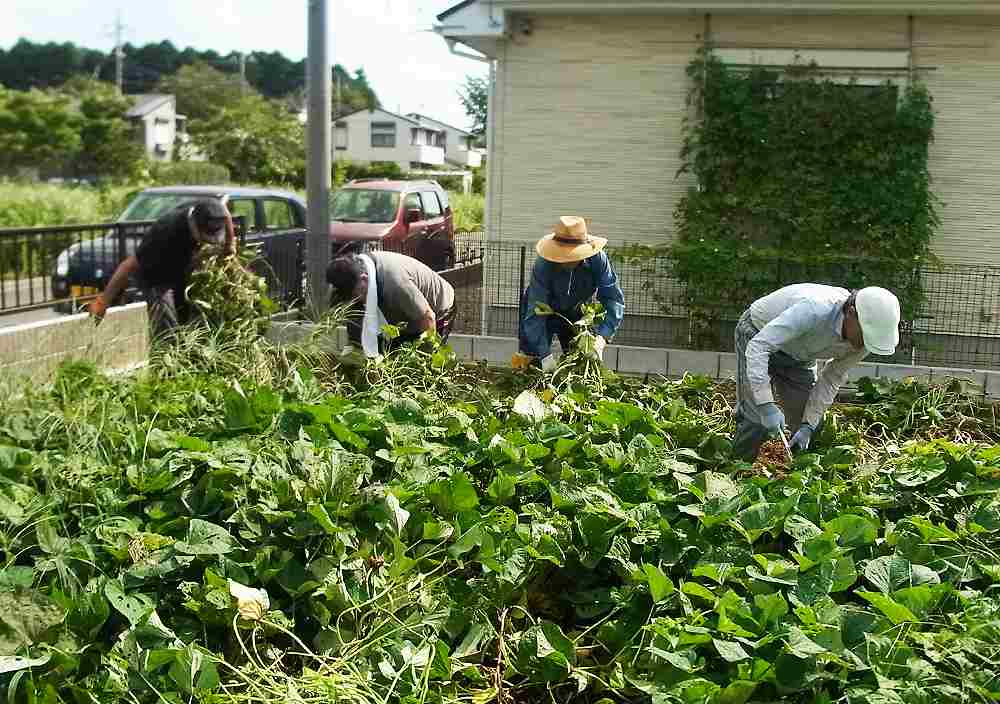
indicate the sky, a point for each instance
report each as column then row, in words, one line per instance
column 409, row 67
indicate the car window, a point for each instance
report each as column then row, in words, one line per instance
column 412, row 202
column 150, row 206
column 244, row 207
column 431, row 205
column 443, row 197
column 278, row 214
column 364, row 205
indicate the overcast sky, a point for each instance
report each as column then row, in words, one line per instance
column 410, row 68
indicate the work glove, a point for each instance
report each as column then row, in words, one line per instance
column 599, row 344
column 548, row 363
column 803, row 436
column 771, row 418
column 98, row 308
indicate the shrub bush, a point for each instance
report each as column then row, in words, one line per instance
column 188, row 173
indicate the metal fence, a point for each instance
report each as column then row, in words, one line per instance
column 65, row 267
column 956, row 322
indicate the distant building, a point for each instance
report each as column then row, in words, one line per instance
column 459, row 145
column 161, row 127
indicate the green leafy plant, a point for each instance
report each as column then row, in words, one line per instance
column 801, row 177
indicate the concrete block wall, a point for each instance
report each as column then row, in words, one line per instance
column 623, row 359
column 33, row 351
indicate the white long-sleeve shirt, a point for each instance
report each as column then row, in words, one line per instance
column 805, row 321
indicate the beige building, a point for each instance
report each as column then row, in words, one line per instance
column 162, row 130
column 588, row 99
column 378, row 135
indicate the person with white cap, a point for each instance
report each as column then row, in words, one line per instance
column 778, row 342
column 571, row 268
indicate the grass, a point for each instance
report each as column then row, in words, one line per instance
column 39, row 205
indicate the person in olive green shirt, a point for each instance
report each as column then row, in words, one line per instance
column 395, row 289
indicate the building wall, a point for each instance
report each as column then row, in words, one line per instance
column 165, row 111
column 589, row 113
column 359, row 143
column 588, row 122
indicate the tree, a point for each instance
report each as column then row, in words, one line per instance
column 202, row 92
column 475, row 97
column 257, row 139
column 37, row 129
column 109, row 146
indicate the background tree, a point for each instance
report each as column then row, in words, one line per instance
column 257, row 139
column 27, row 65
column 201, row 91
column 475, row 97
column 109, row 145
column 37, row 129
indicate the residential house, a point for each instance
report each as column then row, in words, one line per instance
column 161, row 127
column 378, row 135
column 459, row 145
column 588, row 99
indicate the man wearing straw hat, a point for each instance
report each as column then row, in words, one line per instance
column 570, row 269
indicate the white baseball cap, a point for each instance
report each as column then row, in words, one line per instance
column 878, row 313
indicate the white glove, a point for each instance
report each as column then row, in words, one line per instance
column 599, row 344
column 548, row 363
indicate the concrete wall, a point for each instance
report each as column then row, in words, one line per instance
column 32, row 351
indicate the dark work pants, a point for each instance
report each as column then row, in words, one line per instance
column 165, row 312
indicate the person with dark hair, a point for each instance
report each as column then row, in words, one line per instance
column 391, row 289
column 163, row 262
column 778, row 342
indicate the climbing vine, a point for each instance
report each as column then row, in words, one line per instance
column 800, row 177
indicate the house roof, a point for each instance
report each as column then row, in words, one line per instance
column 957, row 7
column 418, row 116
column 455, row 8
column 404, row 118
column 145, row 103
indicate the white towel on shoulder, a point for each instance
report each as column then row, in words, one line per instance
column 371, row 324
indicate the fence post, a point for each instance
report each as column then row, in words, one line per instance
column 520, row 290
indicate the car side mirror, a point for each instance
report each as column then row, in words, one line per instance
column 412, row 215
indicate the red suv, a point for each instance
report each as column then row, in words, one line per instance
column 412, row 217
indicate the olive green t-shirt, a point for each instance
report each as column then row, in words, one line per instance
column 407, row 287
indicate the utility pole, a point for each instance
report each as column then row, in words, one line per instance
column 318, row 155
column 119, row 54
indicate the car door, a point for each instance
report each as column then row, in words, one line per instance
column 418, row 229
column 282, row 247
column 434, row 214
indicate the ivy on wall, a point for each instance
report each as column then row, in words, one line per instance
column 801, row 177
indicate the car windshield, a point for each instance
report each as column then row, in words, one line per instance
column 150, row 206
column 365, row 205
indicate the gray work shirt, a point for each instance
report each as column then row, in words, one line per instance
column 407, row 288
column 805, row 321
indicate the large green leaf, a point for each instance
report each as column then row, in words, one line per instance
column 453, row 495
column 660, row 585
column 853, row 531
column 25, row 616
column 204, row 538
column 135, row 606
column 545, row 652
column 896, row 612
column 893, row 572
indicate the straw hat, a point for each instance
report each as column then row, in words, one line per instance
column 570, row 242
